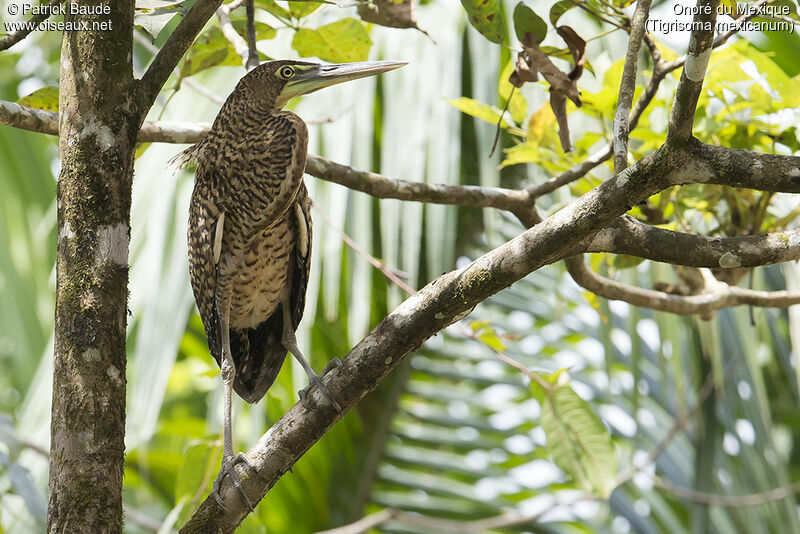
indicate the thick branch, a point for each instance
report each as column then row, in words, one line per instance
column 717, row 296
column 177, row 44
column 701, row 44
column 626, row 235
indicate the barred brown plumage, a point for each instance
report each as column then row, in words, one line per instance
column 250, row 230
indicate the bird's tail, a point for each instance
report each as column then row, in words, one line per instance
column 258, row 355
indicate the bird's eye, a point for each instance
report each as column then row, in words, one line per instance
column 286, row 72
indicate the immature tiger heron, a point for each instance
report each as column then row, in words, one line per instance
column 250, row 230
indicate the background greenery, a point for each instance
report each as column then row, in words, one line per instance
column 454, row 433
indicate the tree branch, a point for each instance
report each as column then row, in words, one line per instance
column 437, row 305
column 718, row 294
column 382, row 187
column 696, row 163
column 729, row 501
column 173, row 50
column 626, row 235
column 191, row 84
column 687, row 94
column 628, row 85
column 10, row 40
column 230, row 33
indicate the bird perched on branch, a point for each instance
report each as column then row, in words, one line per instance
column 250, row 230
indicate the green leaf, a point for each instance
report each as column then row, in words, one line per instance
column 212, row 48
column 301, row 9
column 526, row 20
column 579, row 441
column 342, row 41
column 479, row 110
column 486, row 17
column 558, row 9
column 272, row 7
column 263, row 31
column 45, row 98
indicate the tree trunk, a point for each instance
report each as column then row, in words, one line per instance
column 97, row 128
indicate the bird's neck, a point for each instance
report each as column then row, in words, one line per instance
column 239, row 114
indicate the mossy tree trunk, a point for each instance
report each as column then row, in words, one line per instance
column 97, row 128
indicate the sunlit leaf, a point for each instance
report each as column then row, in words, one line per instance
column 301, row 9
column 479, row 110
column 44, row 98
column 272, row 7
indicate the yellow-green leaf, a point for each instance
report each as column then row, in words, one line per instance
column 579, row 441
column 342, row 41
column 479, row 110
column 301, row 9
column 539, row 391
column 486, row 17
column 45, row 98
column 272, row 7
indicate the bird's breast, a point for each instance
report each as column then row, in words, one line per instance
column 259, row 268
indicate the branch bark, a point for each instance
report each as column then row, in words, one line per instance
column 626, row 235
column 717, row 295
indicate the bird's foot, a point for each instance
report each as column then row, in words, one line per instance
column 316, row 380
column 229, row 469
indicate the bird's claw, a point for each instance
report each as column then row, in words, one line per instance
column 317, row 381
column 332, row 364
column 229, row 469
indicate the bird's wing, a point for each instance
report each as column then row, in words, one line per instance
column 302, row 266
column 206, row 224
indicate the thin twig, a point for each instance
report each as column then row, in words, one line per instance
column 628, row 85
column 191, row 84
column 717, row 294
column 728, row 501
column 173, row 50
column 10, row 40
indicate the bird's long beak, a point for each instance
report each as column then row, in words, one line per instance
column 315, row 77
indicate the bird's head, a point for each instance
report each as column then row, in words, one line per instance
column 274, row 83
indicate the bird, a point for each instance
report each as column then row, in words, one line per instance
column 250, row 230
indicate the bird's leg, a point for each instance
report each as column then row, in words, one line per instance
column 289, row 341
column 229, row 461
